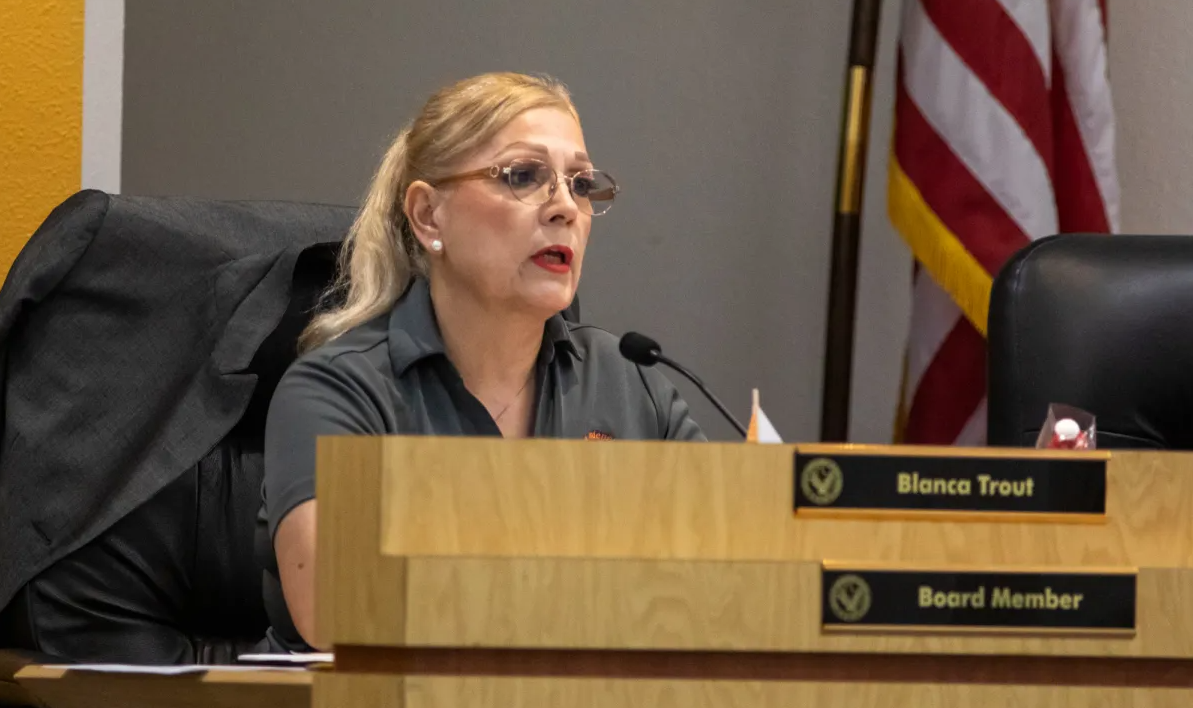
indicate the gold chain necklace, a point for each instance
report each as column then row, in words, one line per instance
column 515, row 397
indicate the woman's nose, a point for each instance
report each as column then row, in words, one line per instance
column 562, row 204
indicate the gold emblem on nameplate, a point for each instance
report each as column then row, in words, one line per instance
column 822, row 481
column 849, row 598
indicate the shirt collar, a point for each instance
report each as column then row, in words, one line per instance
column 414, row 332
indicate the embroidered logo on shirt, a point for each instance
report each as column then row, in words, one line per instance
column 598, row 435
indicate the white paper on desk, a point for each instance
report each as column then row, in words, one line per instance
column 295, row 658
column 164, row 670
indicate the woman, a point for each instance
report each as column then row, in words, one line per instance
column 468, row 246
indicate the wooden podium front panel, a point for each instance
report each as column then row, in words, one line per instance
column 532, row 603
column 481, row 542
column 486, row 692
column 712, row 501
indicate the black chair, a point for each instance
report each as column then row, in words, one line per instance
column 140, row 341
column 1104, row 323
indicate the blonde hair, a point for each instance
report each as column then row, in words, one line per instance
column 381, row 254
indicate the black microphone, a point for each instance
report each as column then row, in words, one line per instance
column 644, row 351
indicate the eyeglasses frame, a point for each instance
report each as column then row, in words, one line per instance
column 497, row 171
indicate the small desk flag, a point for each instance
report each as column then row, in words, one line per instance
column 760, row 429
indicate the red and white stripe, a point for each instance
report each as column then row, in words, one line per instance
column 1004, row 124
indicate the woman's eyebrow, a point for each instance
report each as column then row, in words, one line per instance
column 522, row 145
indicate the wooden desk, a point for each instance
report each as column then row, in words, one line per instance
column 501, row 574
column 60, row 688
column 538, row 574
column 11, row 692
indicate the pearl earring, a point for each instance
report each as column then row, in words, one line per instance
column 437, row 246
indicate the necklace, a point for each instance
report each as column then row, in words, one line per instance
column 530, row 378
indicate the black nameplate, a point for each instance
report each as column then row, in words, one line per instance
column 966, row 484
column 933, row 600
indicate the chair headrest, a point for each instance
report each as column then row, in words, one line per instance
column 1101, row 322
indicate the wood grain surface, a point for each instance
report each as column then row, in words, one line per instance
column 502, row 692
column 549, row 572
column 58, row 688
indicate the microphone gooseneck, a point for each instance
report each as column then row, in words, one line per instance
column 644, row 351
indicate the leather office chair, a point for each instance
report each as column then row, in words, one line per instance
column 140, row 342
column 1104, row 323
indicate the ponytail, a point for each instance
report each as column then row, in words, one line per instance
column 379, row 256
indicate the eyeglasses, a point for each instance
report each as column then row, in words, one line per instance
column 534, row 182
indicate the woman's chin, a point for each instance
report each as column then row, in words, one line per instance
column 549, row 298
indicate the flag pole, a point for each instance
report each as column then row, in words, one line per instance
column 851, row 177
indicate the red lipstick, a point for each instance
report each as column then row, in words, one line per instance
column 557, row 259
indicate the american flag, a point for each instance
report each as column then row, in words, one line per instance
column 1004, row 133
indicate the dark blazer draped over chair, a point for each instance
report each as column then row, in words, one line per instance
column 140, row 340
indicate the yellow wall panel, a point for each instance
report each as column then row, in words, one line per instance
column 41, row 114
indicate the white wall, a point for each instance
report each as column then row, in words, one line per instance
column 1151, row 75
column 103, row 93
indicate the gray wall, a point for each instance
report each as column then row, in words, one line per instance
column 720, row 119
column 1151, row 59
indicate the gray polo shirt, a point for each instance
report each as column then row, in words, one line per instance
column 391, row 376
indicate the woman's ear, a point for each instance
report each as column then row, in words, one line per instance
column 421, row 200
